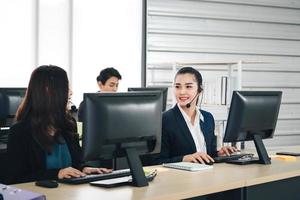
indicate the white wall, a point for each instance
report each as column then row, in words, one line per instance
column 233, row 30
column 82, row 37
column 17, row 41
column 54, row 33
column 106, row 34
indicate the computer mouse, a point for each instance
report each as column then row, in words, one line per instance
column 47, row 183
column 208, row 163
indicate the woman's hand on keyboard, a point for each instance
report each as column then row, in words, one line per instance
column 69, row 172
column 198, row 157
column 93, row 170
column 226, row 151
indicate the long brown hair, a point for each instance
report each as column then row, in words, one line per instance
column 45, row 105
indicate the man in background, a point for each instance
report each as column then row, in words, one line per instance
column 108, row 81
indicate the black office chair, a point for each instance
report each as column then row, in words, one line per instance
column 3, row 161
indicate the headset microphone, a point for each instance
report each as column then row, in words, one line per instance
column 188, row 105
column 72, row 107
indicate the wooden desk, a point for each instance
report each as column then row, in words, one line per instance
column 177, row 184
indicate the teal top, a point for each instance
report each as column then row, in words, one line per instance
column 60, row 157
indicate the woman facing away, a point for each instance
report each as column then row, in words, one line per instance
column 44, row 143
column 187, row 131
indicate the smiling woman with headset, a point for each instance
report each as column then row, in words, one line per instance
column 187, row 131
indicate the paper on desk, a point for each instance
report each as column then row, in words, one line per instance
column 284, row 157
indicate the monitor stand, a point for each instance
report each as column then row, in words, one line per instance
column 263, row 157
column 136, row 168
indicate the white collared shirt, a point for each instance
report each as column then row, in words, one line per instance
column 195, row 129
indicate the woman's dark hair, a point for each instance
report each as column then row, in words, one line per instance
column 191, row 70
column 107, row 73
column 44, row 105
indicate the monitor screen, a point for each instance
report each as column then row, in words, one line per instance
column 122, row 124
column 164, row 91
column 253, row 116
column 10, row 99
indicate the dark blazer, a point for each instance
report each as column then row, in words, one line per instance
column 27, row 159
column 177, row 140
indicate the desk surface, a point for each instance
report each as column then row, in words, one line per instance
column 178, row 184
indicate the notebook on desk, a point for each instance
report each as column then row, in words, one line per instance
column 187, row 166
column 127, row 180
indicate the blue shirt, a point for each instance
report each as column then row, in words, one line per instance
column 59, row 158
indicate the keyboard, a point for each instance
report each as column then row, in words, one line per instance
column 96, row 177
column 221, row 159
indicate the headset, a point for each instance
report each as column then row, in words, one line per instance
column 200, row 89
column 199, row 79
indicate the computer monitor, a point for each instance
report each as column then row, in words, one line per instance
column 164, row 91
column 122, row 124
column 253, row 116
column 10, row 99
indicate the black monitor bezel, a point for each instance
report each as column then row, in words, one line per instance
column 164, row 90
column 232, row 135
column 120, row 150
column 233, row 132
